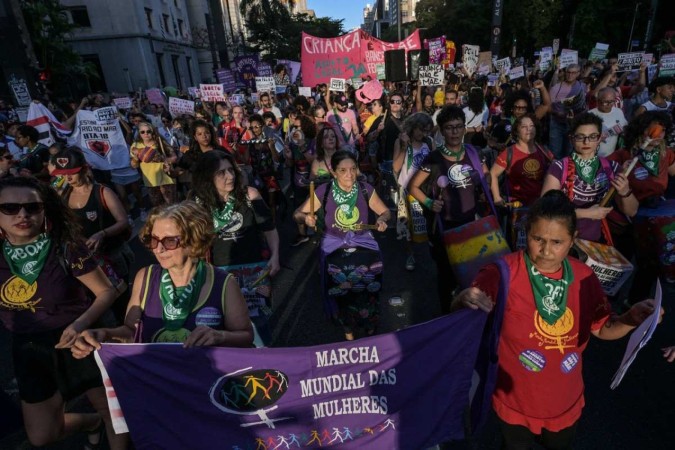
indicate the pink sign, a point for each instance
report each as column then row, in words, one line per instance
column 155, row 96
column 348, row 56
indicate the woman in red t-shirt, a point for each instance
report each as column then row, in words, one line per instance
column 553, row 305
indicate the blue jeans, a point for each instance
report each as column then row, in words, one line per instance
column 558, row 139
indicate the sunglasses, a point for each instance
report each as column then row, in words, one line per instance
column 145, row 132
column 396, row 102
column 12, row 209
column 168, row 242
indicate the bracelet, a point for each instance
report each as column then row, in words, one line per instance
column 628, row 194
column 429, row 203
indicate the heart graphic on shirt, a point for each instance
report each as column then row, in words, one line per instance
column 101, row 148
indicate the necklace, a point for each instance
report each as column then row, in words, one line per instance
column 447, row 152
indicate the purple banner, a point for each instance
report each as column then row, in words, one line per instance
column 265, row 70
column 436, row 48
column 404, row 390
column 246, row 67
column 226, row 78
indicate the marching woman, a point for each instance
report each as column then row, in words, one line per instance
column 549, row 305
column 351, row 263
column 586, row 177
column 246, row 238
column 44, row 304
column 450, row 184
column 326, row 146
column 154, row 155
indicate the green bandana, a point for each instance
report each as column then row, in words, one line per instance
column 26, row 261
column 346, row 201
column 650, row 161
column 222, row 217
column 447, row 152
column 177, row 303
column 550, row 295
column 586, row 168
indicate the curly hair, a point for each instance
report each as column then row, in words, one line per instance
column 193, row 221
column 417, row 121
column 308, row 126
column 203, row 189
column 513, row 97
column 585, row 119
column 62, row 224
column 448, row 113
column 637, row 127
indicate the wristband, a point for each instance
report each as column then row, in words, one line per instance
column 428, row 203
column 628, row 194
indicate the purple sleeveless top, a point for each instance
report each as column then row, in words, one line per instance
column 337, row 224
column 209, row 310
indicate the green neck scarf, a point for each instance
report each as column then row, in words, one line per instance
column 177, row 303
column 586, row 168
column 27, row 261
column 345, row 200
column 447, row 152
column 550, row 295
column 650, row 161
column 222, row 217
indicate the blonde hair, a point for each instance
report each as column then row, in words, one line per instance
column 193, row 221
column 164, row 147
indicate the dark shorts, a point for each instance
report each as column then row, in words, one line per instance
column 41, row 370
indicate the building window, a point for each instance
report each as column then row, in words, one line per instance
column 175, row 3
column 180, row 27
column 96, row 84
column 80, row 16
column 188, row 61
column 160, row 68
column 148, row 17
column 165, row 19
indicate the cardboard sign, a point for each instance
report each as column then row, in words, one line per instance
column 305, row 91
column 667, row 65
column 337, row 84
column 610, row 266
column 470, row 58
column 545, row 59
column 212, row 92
column 432, row 75
column 155, row 96
column 265, row 84
column 516, row 72
column 485, row 59
column 599, row 52
column 503, row 65
column 178, row 107
column 236, row 99
column 630, row 61
column 568, row 57
column 123, row 102
column 193, row 92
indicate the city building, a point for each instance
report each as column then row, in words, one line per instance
column 376, row 17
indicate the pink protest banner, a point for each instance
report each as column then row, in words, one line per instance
column 155, row 97
column 348, row 56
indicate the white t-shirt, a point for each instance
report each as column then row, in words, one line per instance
column 613, row 123
column 275, row 111
column 475, row 119
column 418, row 156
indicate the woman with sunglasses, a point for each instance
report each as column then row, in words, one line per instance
column 154, row 156
column 246, row 236
column 182, row 299
column 586, row 177
column 45, row 273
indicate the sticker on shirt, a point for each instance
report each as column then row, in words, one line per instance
column 460, row 175
column 209, row 317
column 641, row 173
column 569, row 362
column 532, row 360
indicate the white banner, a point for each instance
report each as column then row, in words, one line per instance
column 432, row 75
column 265, row 84
column 99, row 135
column 305, row 91
column 178, row 107
column 211, row 92
column 122, row 102
column 517, row 72
column 568, row 57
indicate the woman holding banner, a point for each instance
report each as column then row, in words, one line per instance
column 154, row 156
column 554, row 305
column 351, row 264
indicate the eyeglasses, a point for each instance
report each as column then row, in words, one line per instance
column 145, row 132
column 12, row 209
column 590, row 138
column 520, row 108
column 606, row 102
column 168, row 242
column 255, row 127
column 395, row 102
column 453, row 128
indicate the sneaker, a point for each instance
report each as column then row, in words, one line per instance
column 299, row 239
column 143, row 216
column 410, row 263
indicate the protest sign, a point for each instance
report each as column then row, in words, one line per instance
column 380, row 72
column 431, row 75
column 470, row 58
column 357, row 82
column 348, row 56
column 379, row 392
column 629, row 61
column 236, row 99
column 20, row 91
column 485, row 59
column 212, row 92
column 568, row 57
column 516, row 72
column 178, row 107
column 99, row 135
column 667, row 65
column 337, row 84
column 155, row 96
column 265, row 70
column 265, row 84
column 545, row 59
column 305, row 91
column 437, row 50
column 246, row 68
column 483, row 69
column 450, row 51
column 292, row 68
column 193, row 92
column 503, row 65
column 22, row 113
column 226, row 78
column 492, row 79
column 255, row 97
column 123, row 102
column 599, row 52
column 652, row 70
column 556, row 46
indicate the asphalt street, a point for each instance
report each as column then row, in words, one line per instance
column 639, row 414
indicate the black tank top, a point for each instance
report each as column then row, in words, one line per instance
column 94, row 217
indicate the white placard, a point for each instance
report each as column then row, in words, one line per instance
column 545, row 58
column 178, row 107
column 123, row 102
column 667, row 65
column 432, row 75
column 265, row 84
column 503, row 65
column 21, row 92
column 211, row 92
column 568, row 57
column 483, row 69
column 516, row 72
column 237, row 99
column 193, row 92
column 305, row 91
column 357, row 82
column 470, row 58
column 492, row 79
column 337, row 84
column 630, row 61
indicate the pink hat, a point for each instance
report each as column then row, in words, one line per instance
column 372, row 90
